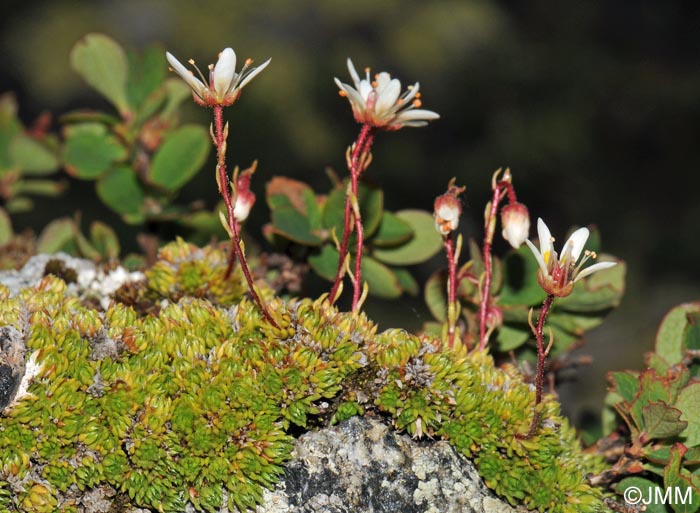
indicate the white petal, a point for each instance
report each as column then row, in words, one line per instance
column 353, row 74
column 185, row 74
column 577, row 241
column 415, row 115
column 538, row 256
column 224, row 72
column 388, row 96
column 353, row 96
column 382, row 81
column 594, row 268
column 253, row 73
column 364, row 89
column 546, row 247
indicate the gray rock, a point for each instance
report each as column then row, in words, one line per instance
column 363, row 466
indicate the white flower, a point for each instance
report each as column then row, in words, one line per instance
column 557, row 274
column 515, row 220
column 224, row 83
column 381, row 104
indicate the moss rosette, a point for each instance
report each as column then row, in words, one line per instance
column 195, row 403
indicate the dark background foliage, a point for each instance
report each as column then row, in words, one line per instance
column 595, row 106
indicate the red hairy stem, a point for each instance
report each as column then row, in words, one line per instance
column 236, row 251
column 489, row 224
column 361, row 146
column 451, row 287
column 504, row 187
column 541, row 357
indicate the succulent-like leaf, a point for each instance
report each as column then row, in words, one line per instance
column 103, row 64
column 180, row 157
column 425, row 243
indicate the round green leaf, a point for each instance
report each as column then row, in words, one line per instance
column 180, row 157
column 406, row 280
column 87, row 155
column 381, row 280
column 119, row 189
column 669, row 339
column 325, row 263
column 103, row 65
column 520, row 286
column 688, row 403
column 426, row 241
column 392, row 231
column 435, row 295
column 31, row 156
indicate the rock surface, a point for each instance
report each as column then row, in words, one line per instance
column 363, row 466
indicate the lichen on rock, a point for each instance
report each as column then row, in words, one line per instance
column 192, row 406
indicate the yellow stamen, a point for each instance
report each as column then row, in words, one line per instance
column 417, row 103
column 545, row 257
column 374, row 84
column 342, row 93
column 191, row 61
column 248, row 61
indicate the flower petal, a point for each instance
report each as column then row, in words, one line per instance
column 416, row 115
column 545, row 236
column 387, row 96
column 538, row 256
column 224, row 72
column 353, row 96
column 576, row 242
column 192, row 81
column 594, row 268
column 353, row 74
column 253, row 73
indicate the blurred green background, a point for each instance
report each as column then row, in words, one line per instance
column 595, row 106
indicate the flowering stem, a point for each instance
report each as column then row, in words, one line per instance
column 451, row 289
column 500, row 189
column 222, row 180
column 541, row 357
column 356, row 165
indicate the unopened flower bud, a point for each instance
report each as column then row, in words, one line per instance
column 245, row 198
column 447, row 212
column 447, row 209
column 515, row 220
